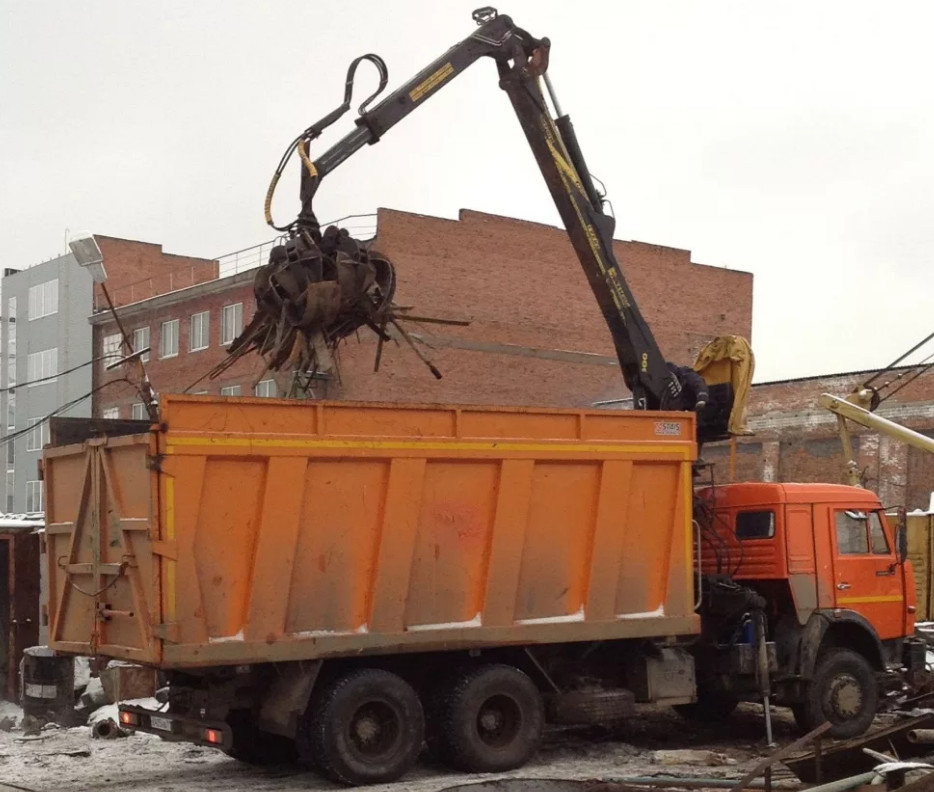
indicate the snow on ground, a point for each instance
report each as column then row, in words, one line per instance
column 10, row 710
column 68, row 760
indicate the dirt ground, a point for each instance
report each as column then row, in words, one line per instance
column 68, row 760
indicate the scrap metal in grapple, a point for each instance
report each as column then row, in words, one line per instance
column 316, row 289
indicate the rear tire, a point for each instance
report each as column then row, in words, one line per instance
column 365, row 727
column 490, row 719
column 842, row 691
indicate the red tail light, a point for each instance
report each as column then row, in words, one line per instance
column 214, row 736
column 129, row 719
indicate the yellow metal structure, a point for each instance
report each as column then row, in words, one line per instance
column 729, row 359
column 849, row 409
column 920, row 528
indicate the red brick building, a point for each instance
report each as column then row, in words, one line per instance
column 139, row 270
column 535, row 333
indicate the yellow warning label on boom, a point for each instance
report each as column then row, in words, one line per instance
column 433, row 81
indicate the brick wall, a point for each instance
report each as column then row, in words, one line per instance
column 140, row 270
column 520, row 286
column 535, row 333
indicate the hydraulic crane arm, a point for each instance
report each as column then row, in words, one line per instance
column 846, row 410
column 521, row 60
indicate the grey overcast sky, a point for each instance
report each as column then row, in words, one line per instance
column 794, row 140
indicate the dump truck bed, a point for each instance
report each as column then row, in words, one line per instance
column 250, row 530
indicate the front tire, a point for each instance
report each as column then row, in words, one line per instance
column 490, row 719
column 365, row 727
column 842, row 691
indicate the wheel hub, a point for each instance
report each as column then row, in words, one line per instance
column 374, row 729
column 366, row 729
column 845, row 696
column 490, row 720
column 499, row 721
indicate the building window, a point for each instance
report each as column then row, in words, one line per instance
column 138, row 412
column 169, row 344
column 230, row 390
column 231, row 322
column 11, row 412
column 141, row 341
column 38, row 435
column 266, row 388
column 42, row 367
column 112, row 348
column 10, row 484
column 34, row 496
column 43, row 299
column 10, row 452
column 111, row 413
column 200, row 331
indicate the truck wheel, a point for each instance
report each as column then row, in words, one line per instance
column 491, row 719
column 842, row 691
column 256, row 747
column 365, row 727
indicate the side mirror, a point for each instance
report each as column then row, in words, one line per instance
column 901, row 535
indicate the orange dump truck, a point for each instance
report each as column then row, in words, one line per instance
column 320, row 580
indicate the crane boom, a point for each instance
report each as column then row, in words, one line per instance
column 521, row 61
column 847, row 410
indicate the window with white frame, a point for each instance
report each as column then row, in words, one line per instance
column 112, row 348
column 11, row 412
column 138, row 412
column 10, row 483
column 168, row 346
column 230, row 390
column 111, row 413
column 38, row 435
column 43, row 299
column 266, row 388
column 200, row 331
column 231, row 322
column 141, row 341
column 42, row 366
column 34, row 497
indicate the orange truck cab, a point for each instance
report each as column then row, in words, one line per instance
column 822, row 568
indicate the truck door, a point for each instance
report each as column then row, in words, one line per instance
column 866, row 570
